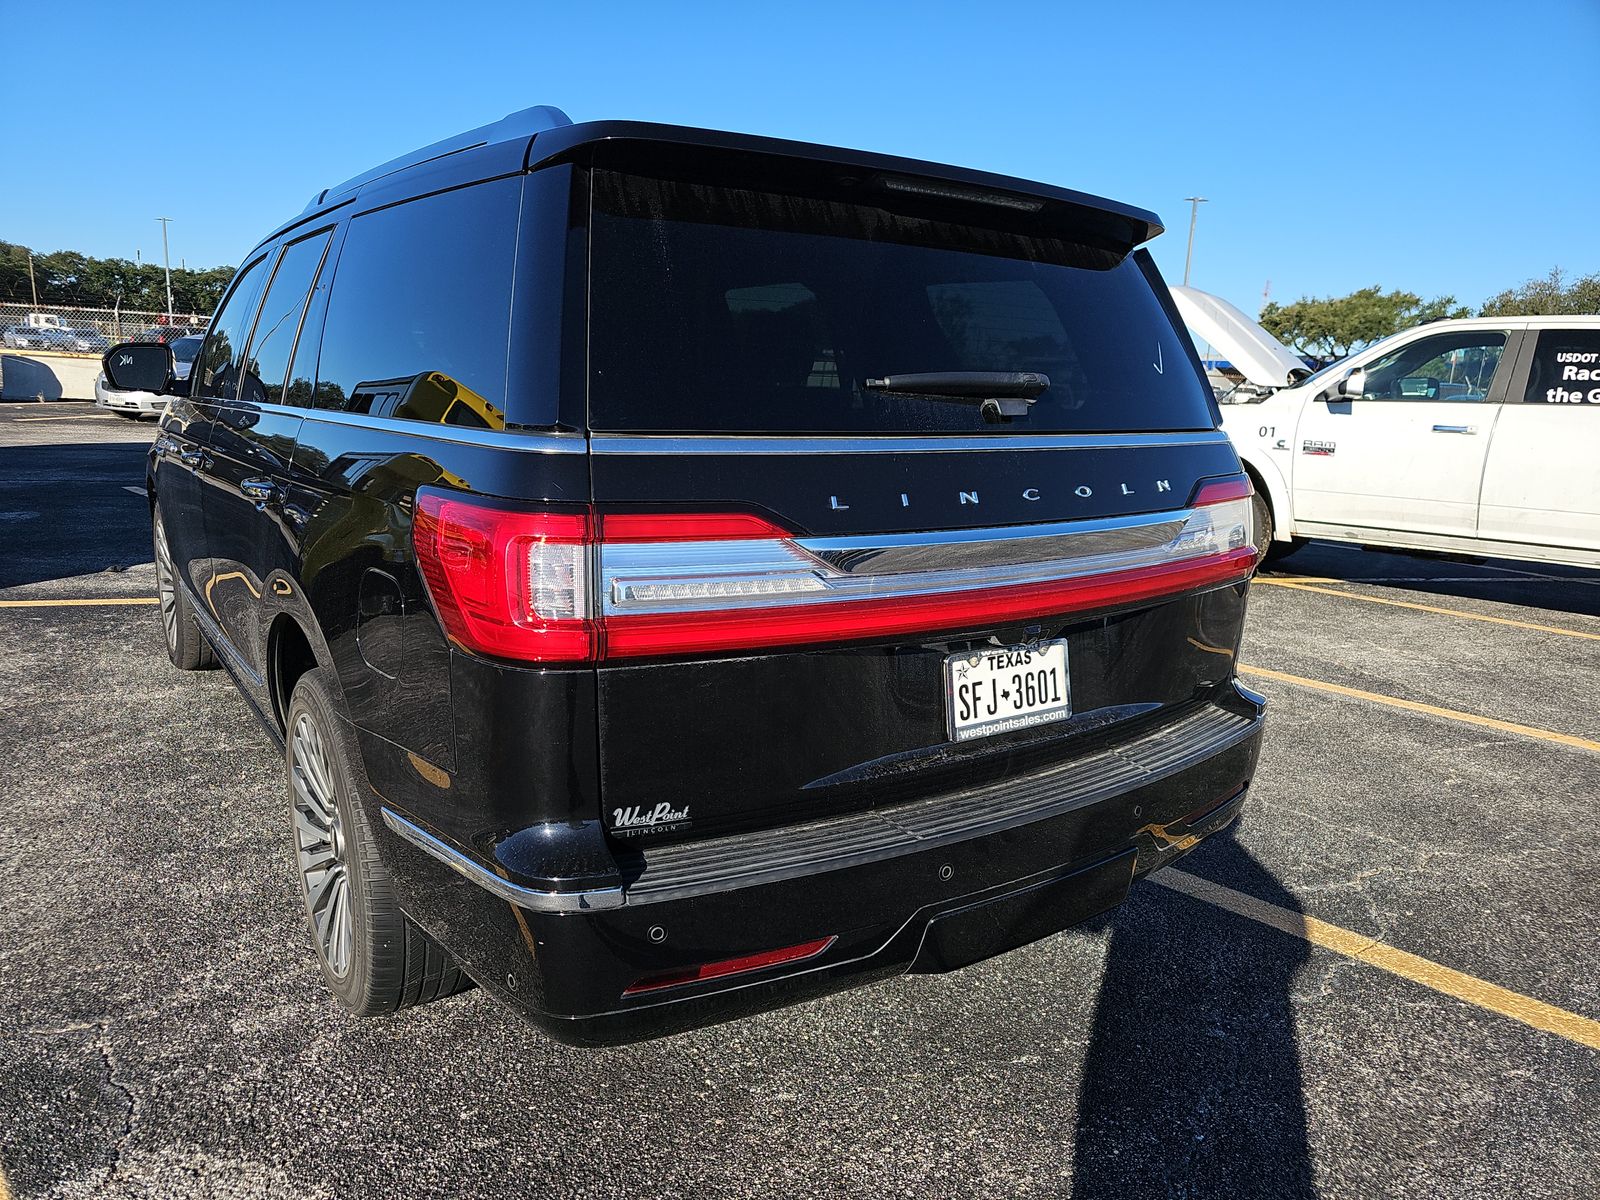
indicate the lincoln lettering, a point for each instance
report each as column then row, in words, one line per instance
column 1031, row 494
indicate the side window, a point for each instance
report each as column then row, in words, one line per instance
column 215, row 371
column 1566, row 368
column 1446, row 366
column 419, row 314
column 301, row 385
column 267, row 361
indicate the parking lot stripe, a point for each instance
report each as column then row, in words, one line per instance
column 1295, row 585
column 1445, row 980
column 78, row 603
column 1338, row 689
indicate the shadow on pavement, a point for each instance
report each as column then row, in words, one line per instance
column 1191, row 1085
column 65, row 510
column 1534, row 585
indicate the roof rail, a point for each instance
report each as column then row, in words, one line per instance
column 523, row 124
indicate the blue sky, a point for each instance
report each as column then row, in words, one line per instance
column 1443, row 147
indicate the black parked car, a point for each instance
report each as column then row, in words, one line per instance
column 694, row 572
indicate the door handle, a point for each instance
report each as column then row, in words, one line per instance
column 262, row 491
column 193, row 458
column 1455, row 429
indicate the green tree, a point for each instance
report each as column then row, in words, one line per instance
column 68, row 277
column 1334, row 326
column 1550, row 296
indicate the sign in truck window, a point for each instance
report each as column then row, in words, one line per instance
column 1566, row 368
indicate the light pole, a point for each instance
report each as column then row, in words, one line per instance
column 166, row 258
column 1194, row 211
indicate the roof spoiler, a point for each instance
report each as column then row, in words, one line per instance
column 1119, row 227
column 523, row 124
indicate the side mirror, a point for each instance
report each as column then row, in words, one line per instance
column 138, row 367
column 1354, row 385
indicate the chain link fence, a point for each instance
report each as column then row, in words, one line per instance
column 63, row 329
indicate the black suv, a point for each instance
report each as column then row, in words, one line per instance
column 692, row 572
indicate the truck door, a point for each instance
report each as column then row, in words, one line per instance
column 1541, row 485
column 182, row 468
column 1408, row 453
column 252, row 446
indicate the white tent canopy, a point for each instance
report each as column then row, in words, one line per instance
column 1254, row 352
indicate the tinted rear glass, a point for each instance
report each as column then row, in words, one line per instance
column 420, row 311
column 717, row 309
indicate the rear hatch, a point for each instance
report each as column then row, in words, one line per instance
column 823, row 586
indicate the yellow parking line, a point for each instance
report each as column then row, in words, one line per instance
column 1532, row 731
column 1446, row 980
column 1297, row 586
column 78, row 603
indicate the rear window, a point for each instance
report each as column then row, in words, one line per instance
column 420, row 311
column 719, row 309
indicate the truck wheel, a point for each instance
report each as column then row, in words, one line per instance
column 186, row 645
column 1268, row 549
column 1262, row 512
column 373, row 959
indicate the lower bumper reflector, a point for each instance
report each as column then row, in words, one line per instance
column 729, row 966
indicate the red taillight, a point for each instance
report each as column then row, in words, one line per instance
column 729, row 966
column 1219, row 491
column 686, row 527
column 683, row 633
column 507, row 582
column 572, row 586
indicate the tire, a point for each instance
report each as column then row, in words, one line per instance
column 186, row 645
column 1267, row 548
column 373, row 958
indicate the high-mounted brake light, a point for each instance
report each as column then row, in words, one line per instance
column 729, row 966
column 573, row 586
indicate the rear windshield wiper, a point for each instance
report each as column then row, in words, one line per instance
column 999, row 395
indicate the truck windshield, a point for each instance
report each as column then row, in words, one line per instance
column 721, row 309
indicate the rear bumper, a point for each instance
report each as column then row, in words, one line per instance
column 928, row 886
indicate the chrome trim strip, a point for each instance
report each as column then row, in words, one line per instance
column 613, row 443
column 739, row 575
column 594, row 899
column 537, row 443
column 995, row 546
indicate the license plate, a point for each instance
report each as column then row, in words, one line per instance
column 996, row 690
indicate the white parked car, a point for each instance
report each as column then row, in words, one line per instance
column 1477, row 436
column 147, row 404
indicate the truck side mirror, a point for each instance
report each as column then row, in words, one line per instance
column 138, row 367
column 1354, row 385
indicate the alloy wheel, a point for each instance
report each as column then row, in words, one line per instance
column 320, row 844
column 166, row 588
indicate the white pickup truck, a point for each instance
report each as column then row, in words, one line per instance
column 1477, row 437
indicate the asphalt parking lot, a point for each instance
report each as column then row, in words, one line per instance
column 1382, row 983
